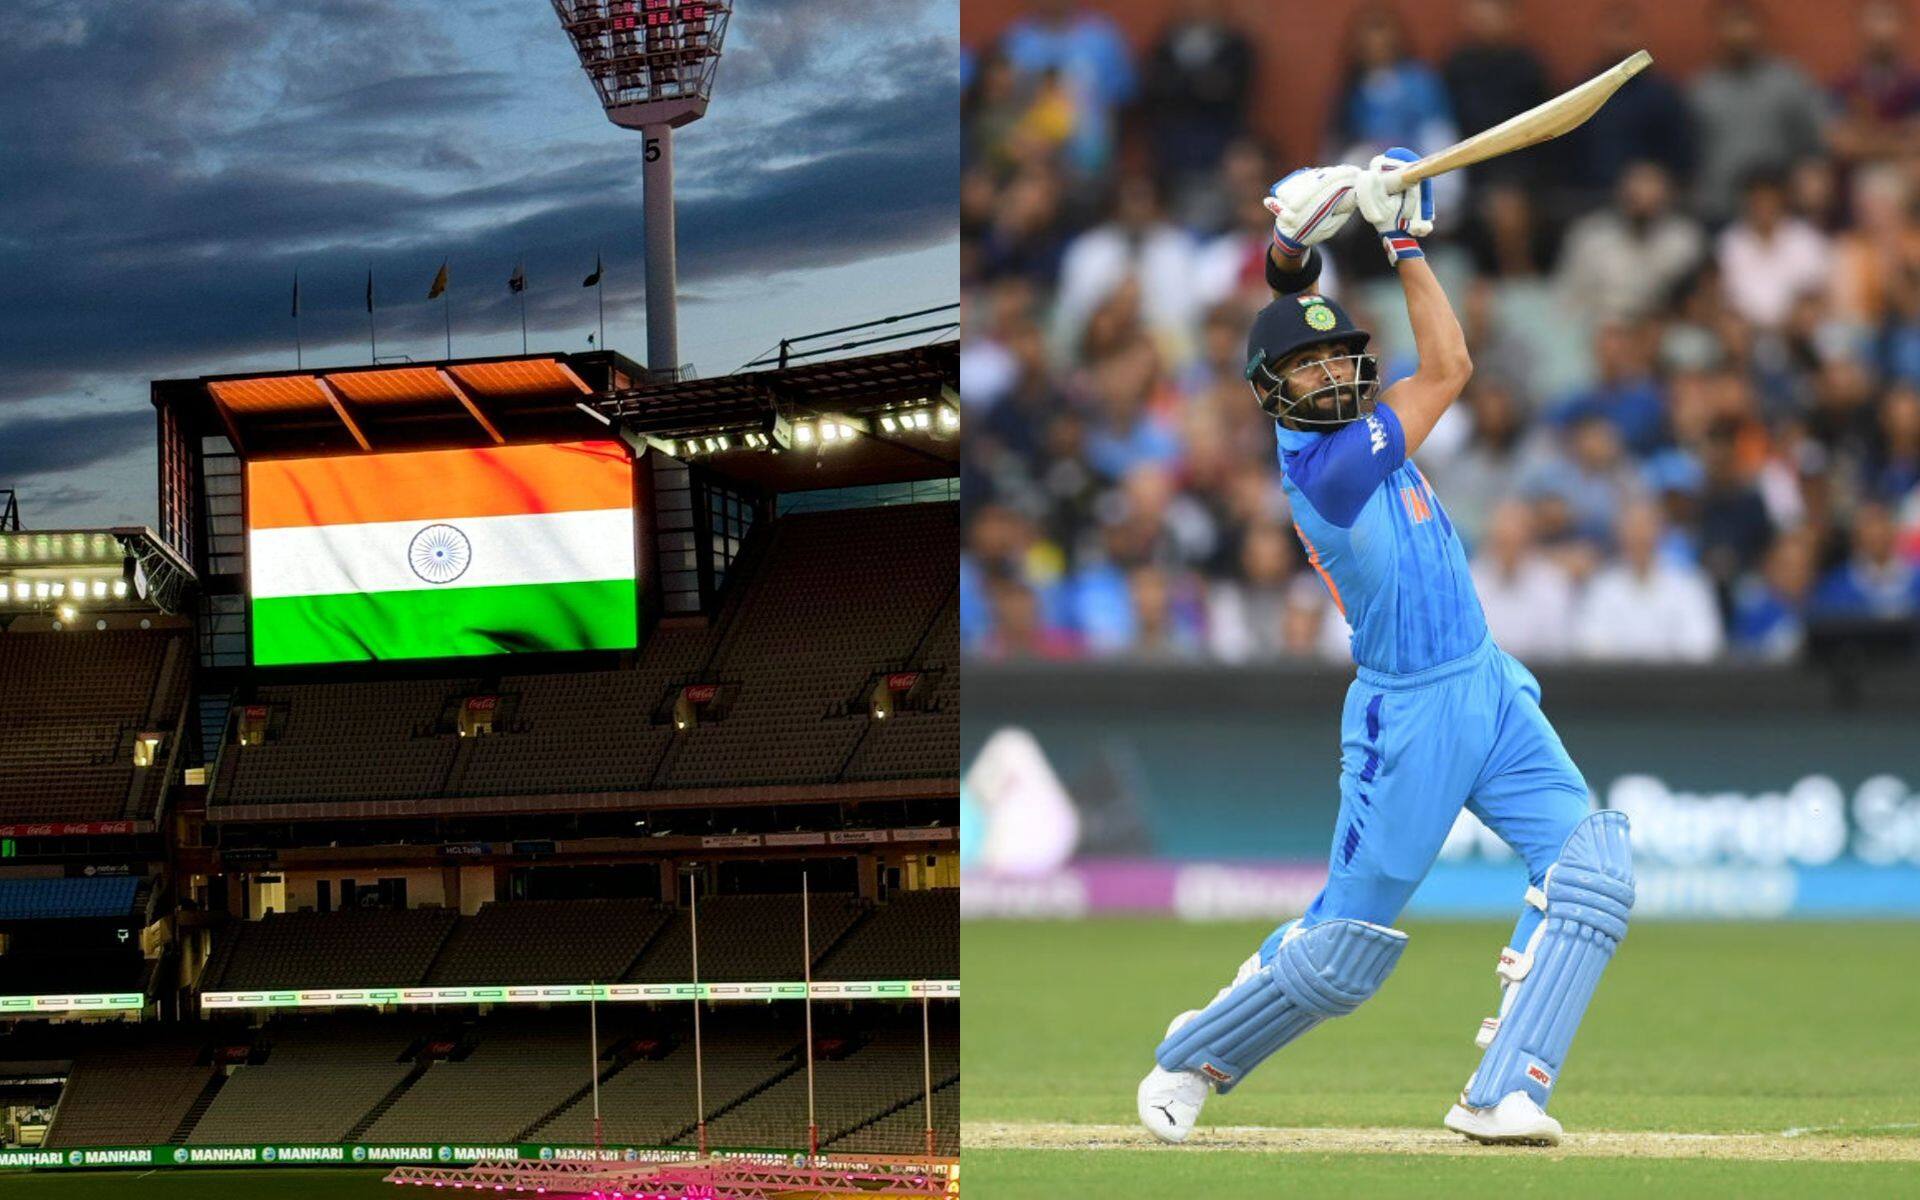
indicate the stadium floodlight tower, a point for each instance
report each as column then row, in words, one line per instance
column 653, row 62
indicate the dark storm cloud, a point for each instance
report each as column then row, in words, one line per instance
column 167, row 167
column 33, row 445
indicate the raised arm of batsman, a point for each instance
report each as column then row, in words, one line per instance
column 1402, row 220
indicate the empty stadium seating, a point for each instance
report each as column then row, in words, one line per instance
column 333, row 733
column 132, row 1089
column 883, row 1073
column 355, row 948
column 319, row 1078
column 921, row 741
column 54, row 899
column 651, row 1102
column 548, row 941
column 72, row 703
column 915, row 935
column 520, row 1067
column 838, row 596
column 903, row 1130
column 745, row 938
column 824, row 603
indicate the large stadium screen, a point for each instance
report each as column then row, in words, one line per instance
column 442, row 553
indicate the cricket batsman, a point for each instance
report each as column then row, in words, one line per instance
column 1437, row 716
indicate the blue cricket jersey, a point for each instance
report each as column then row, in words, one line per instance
column 1377, row 535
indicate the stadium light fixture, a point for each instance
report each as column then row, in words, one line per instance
column 67, row 612
column 652, row 62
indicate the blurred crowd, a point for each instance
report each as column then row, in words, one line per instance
column 1693, row 429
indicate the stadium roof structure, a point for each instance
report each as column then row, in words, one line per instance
column 887, row 417
column 124, row 568
column 890, row 417
column 407, row 405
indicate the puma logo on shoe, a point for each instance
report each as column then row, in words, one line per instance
column 1163, row 1108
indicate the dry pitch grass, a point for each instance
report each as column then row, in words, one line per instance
column 1787, row 1146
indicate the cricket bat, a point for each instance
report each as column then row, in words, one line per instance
column 1562, row 114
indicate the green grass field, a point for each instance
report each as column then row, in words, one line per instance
column 1799, row 1043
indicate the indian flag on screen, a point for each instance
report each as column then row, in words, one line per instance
column 442, row 553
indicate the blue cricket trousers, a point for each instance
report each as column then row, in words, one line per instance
column 1413, row 750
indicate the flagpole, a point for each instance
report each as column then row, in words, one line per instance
column 699, row 1068
column 373, row 337
column 806, row 949
column 926, row 1051
column 447, row 299
column 523, row 315
column 298, row 354
column 593, row 1026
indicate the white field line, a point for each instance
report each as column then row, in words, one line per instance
column 1790, row 1145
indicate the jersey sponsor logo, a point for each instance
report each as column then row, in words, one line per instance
column 1539, row 1074
column 1215, row 1073
column 1376, row 434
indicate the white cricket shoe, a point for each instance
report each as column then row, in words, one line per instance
column 1170, row 1102
column 1515, row 1121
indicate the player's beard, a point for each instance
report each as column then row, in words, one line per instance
column 1334, row 402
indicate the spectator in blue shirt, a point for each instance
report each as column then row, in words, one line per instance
column 1625, row 392
column 1770, row 607
column 1875, row 581
column 1893, row 464
column 1093, row 60
column 1391, row 98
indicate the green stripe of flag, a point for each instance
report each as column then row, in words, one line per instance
column 445, row 622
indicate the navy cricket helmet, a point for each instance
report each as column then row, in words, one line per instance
column 1293, row 323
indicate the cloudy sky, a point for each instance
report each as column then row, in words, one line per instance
column 165, row 165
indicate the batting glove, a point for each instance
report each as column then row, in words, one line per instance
column 1401, row 219
column 1310, row 205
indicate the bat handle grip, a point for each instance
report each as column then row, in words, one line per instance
column 1400, row 181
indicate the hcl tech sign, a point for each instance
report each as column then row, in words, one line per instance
column 1812, row 823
